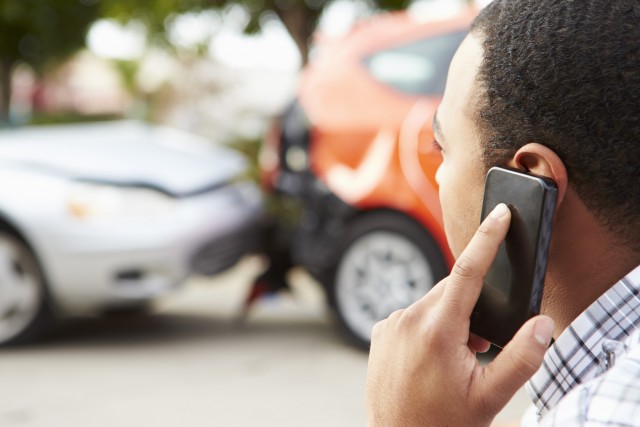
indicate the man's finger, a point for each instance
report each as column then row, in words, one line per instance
column 432, row 297
column 477, row 344
column 465, row 281
column 519, row 360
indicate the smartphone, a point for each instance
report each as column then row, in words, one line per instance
column 512, row 289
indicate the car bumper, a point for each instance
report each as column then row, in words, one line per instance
column 94, row 266
column 322, row 226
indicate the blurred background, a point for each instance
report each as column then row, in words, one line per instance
column 205, row 205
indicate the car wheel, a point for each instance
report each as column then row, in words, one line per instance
column 386, row 262
column 23, row 308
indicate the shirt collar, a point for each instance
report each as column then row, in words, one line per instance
column 578, row 355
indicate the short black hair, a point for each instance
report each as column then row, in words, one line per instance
column 566, row 74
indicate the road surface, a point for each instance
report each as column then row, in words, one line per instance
column 193, row 363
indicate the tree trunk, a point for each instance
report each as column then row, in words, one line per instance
column 6, row 65
column 303, row 47
column 300, row 21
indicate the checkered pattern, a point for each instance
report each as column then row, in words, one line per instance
column 591, row 374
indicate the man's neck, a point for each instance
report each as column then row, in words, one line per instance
column 584, row 262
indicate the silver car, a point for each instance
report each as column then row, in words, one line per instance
column 104, row 216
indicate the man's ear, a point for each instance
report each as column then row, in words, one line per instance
column 541, row 160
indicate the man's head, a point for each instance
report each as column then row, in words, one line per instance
column 564, row 75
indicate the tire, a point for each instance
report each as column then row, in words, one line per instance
column 24, row 311
column 386, row 261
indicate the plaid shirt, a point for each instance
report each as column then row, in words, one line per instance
column 591, row 374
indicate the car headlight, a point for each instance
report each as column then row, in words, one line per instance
column 96, row 201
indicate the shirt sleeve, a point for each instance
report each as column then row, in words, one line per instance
column 612, row 399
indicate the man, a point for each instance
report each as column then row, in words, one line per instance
column 551, row 87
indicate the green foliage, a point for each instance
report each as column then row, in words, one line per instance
column 251, row 149
column 128, row 71
column 300, row 17
column 392, row 4
column 42, row 32
column 39, row 31
column 152, row 14
column 67, row 117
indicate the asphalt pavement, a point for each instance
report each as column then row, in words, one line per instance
column 195, row 362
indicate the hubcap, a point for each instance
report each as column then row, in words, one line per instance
column 380, row 273
column 20, row 291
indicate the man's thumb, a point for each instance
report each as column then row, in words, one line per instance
column 519, row 360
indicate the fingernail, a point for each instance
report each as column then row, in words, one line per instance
column 499, row 211
column 543, row 330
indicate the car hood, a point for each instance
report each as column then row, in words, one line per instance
column 123, row 153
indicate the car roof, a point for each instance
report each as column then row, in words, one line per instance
column 390, row 29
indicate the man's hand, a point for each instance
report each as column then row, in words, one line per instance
column 422, row 366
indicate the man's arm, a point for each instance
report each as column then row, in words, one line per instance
column 422, row 365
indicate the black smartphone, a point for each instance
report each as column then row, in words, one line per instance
column 512, row 290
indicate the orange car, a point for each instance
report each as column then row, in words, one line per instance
column 356, row 148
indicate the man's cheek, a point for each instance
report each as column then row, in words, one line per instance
column 451, row 231
column 459, row 228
